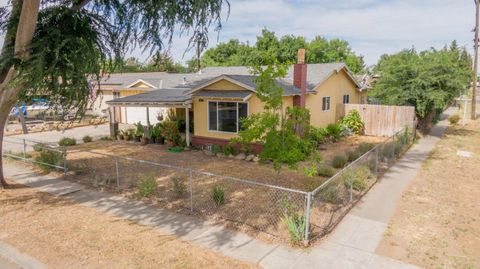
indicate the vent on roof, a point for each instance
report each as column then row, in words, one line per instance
column 160, row 85
column 184, row 82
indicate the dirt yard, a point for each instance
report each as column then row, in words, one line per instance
column 63, row 235
column 437, row 222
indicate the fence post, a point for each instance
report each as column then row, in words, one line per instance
column 393, row 148
column 65, row 161
column 117, row 174
column 307, row 217
column 351, row 188
column 24, row 151
column 191, row 191
column 376, row 161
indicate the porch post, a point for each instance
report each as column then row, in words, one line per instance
column 148, row 117
column 187, row 126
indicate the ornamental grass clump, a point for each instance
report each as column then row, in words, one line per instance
column 218, row 195
column 339, row 161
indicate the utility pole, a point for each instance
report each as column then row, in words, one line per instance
column 475, row 61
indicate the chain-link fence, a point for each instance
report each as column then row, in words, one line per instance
column 336, row 196
column 47, row 156
column 282, row 212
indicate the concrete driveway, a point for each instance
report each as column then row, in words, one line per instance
column 15, row 143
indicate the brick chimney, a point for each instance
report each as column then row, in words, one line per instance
column 300, row 78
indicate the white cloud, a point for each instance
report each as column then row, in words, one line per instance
column 373, row 27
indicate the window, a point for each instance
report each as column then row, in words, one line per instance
column 116, row 95
column 224, row 116
column 346, row 99
column 326, row 103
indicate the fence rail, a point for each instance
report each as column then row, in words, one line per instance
column 256, row 205
column 381, row 120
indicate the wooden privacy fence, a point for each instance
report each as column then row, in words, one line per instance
column 381, row 120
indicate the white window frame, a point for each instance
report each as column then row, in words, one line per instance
column 329, row 103
column 348, row 97
column 238, row 120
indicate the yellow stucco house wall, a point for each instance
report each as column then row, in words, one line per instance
column 336, row 86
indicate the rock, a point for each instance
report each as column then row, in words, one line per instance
column 231, row 156
column 249, row 157
column 322, row 147
column 220, row 155
column 208, row 152
column 256, row 159
column 240, row 156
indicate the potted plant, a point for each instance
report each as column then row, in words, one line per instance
column 139, row 131
column 170, row 133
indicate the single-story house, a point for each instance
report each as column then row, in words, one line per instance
column 217, row 102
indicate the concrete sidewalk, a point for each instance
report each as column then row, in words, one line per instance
column 351, row 245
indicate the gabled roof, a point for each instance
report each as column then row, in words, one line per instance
column 165, row 96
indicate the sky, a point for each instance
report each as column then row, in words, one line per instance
column 372, row 27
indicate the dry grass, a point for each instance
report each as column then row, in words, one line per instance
column 437, row 222
column 64, row 235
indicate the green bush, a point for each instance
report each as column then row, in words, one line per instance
column 215, row 149
column 296, row 226
column 454, row 119
column 357, row 183
column 326, row 170
column 339, row 161
column 387, row 150
column 179, row 187
column 310, row 171
column 49, row 157
column 364, row 148
column 106, row 138
column 354, row 122
column 218, row 195
column 334, row 131
column 228, row 150
column 67, row 141
column 147, row 186
column 329, row 194
column 87, row 139
column 38, row 147
column 353, row 155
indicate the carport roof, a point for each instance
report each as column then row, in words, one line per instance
column 161, row 96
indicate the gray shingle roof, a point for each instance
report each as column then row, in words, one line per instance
column 172, row 86
column 155, row 96
column 223, row 94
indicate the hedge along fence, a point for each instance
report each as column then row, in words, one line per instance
column 381, row 120
column 331, row 201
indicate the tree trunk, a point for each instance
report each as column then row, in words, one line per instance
column 24, row 31
column 8, row 98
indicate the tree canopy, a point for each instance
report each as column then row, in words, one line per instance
column 318, row 50
column 58, row 47
column 428, row 80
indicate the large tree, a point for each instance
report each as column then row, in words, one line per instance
column 57, row 47
column 318, row 50
column 429, row 80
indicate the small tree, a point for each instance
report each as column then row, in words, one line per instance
column 280, row 132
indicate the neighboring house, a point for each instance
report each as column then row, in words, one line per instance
column 217, row 103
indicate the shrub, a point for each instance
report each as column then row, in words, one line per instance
column 179, row 187
column 17, row 155
column 38, row 147
column 106, row 138
column 48, row 158
column 364, row 148
column 326, row 170
column 310, row 171
column 296, row 227
column 354, row 122
column 147, row 186
column 87, row 139
column 353, row 155
column 339, row 161
column 215, row 149
column 67, row 141
column 387, row 150
column 329, row 194
column 357, row 184
column 454, row 119
column 317, row 135
column 228, row 150
column 218, row 195
column 334, row 131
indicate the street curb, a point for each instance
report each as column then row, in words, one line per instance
column 20, row 259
